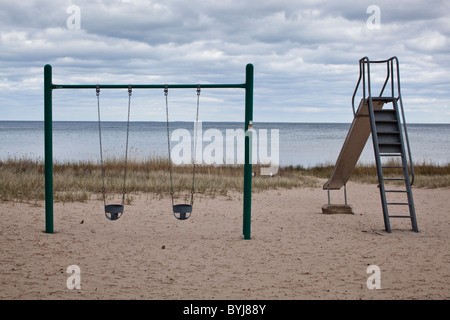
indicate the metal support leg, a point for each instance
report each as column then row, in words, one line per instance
column 248, row 164
column 345, row 193
column 48, row 149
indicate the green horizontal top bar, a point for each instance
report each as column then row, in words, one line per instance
column 146, row 86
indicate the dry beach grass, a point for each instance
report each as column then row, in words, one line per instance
column 23, row 179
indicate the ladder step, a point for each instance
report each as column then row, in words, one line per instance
column 399, row 216
column 392, row 167
column 388, row 115
column 388, row 137
column 398, row 191
column 394, row 179
column 396, row 132
column 386, row 121
column 387, row 127
column 390, row 154
column 390, row 148
column 398, row 203
column 386, row 99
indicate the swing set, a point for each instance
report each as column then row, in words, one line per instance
column 115, row 211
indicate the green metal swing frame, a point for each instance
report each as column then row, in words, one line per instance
column 48, row 134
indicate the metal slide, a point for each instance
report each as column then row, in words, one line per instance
column 353, row 146
column 392, row 152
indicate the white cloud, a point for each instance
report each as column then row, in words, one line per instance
column 429, row 41
column 305, row 52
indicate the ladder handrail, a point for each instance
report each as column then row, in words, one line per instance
column 389, row 76
column 388, row 73
column 356, row 88
column 403, row 119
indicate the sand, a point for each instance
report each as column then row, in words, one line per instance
column 296, row 252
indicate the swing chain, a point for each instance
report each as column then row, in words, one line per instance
column 195, row 146
column 97, row 90
column 103, row 190
column 124, row 190
column 166, row 92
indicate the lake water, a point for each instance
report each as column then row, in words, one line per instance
column 305, row 144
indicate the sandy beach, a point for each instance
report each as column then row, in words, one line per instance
column 296, row 252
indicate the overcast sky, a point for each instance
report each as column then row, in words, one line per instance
column 305, row 55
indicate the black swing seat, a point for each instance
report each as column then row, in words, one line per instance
column 113, row 211
column 182, row 211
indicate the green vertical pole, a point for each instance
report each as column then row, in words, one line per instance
column 48, row 153
column 248, row 163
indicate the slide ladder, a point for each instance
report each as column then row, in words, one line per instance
column 393, row 159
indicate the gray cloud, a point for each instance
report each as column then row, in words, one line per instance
column 305, row 52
